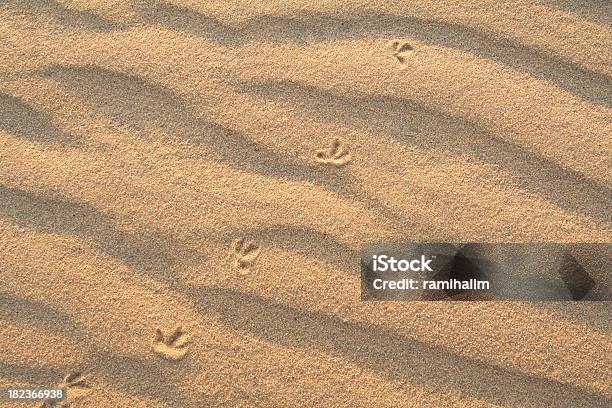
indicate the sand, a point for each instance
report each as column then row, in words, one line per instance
column 185, row 188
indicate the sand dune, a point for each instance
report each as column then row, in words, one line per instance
column 185, row 188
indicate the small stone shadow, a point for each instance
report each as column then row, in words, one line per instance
column 461, row 268
column 576, row 278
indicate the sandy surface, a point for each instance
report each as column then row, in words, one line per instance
column 216, row 166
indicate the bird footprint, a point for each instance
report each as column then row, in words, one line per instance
column 173, row 347
column 245, row 253
column 337, row 154
column 75, row 386
column 401, row 50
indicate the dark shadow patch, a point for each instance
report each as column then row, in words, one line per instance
column 146, row 250
column 460, row 267
column 162, row 382
column 41, row 376
column 143, row 105
column 390, row 354
column 594, row 315
column 60, row 14
column 23, row 120
column 416, row 125
column 576, row 278
column 307, row 27
column 154, row 378
column 36, row 314
column 596, row 11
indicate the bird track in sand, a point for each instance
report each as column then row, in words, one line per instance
column 75, row 385
column 401, row 50
column 245, row 254
column 337, row 154
column 173, row 347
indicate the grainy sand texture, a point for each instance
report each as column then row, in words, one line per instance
column 185, row 188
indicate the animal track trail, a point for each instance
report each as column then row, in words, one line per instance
column 245, row 254
column 173, row 347
column 75, row 385
column 401, row 50
column 337, row 154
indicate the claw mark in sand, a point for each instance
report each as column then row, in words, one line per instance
column 337, row 154
column 173, row 347
column 75, row 385
column 401, row 50
column 245, row 253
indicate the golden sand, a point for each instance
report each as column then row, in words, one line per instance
column 185, row 187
